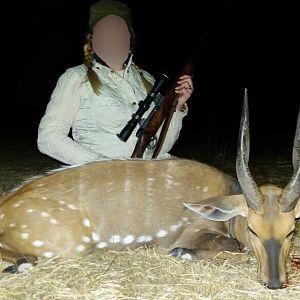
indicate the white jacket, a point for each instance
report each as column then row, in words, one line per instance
column 95, row 120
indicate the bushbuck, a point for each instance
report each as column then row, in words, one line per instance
column 191, row 208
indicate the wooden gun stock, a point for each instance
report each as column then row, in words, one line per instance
column 164, row 114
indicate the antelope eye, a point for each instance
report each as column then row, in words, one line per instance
column 252, row 231
column 291, row 233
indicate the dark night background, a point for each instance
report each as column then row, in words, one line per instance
column 251, row 45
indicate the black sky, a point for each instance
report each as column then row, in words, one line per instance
column 248, row 45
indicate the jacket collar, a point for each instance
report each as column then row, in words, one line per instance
column 99, row 61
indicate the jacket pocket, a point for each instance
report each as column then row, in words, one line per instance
column 109, row 115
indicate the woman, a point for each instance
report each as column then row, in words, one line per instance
column 95, row 100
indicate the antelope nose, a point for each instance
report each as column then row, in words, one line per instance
column 274, row 284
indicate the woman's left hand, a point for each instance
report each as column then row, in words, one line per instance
column 184, row 89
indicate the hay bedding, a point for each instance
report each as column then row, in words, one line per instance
column 148, row 273
column 145, row 273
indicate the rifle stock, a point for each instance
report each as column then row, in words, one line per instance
column 164, row 114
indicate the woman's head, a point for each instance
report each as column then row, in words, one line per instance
column 110, row 23
column 111, row 40
column 111, row 37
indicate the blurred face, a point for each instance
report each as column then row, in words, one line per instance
column 111, row 41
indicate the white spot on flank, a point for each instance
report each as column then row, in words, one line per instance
column 86, row 239
column 12, row 225
column 95, row 237
column 86, row 223
column 115, row 239
column 44, row 214
column 72, row 206
column 144, row 239
column 127, row 185
column 30, row 210
column 101, row 245
column 40, row 185
column 205, row 189
column 62, row 202
column 80, row 248
column 24, row 235
column 2, row 216
column 53, row 221
column 128, row 239
column 37, row 243
column 17, row 204
column 48, row 254
column 44, row 198
column 161, row 233
column 175, row 226
column 169, row 183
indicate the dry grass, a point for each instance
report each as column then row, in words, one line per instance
column 147, row 273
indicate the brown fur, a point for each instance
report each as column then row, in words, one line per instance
column 122, row 198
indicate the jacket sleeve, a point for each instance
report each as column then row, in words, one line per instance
column 56, row 123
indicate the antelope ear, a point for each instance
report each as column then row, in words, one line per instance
column 221, row 208
column 297, row 209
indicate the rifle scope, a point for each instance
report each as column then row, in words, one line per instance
column 144, row 105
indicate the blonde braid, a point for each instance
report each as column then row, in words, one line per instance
column 88, row 61
column 147, row 84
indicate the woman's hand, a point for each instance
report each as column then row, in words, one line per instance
column 184, row 89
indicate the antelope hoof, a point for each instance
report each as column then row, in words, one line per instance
column 183, row 253
column 11, row 269
column 23, row 265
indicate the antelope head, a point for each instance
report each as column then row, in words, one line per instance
column 270, row 211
